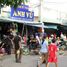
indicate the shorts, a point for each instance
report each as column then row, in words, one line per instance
column 44, row 57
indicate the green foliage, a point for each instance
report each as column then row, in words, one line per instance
column 14, row 3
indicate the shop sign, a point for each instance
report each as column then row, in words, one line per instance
column 5, row 11
column 22, row 13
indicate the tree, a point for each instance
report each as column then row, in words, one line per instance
column 14, row 3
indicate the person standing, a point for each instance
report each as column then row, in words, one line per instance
column 44, row 50
column 6, row 43
column 17, row 43
column 52, row 53
column 25, row 40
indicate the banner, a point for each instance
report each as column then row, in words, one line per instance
column 22, row 13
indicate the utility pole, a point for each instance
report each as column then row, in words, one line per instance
column 40, row 16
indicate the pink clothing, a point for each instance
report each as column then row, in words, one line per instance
column 25, row 40
column 52, row 49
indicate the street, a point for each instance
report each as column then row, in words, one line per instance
column 29, row 61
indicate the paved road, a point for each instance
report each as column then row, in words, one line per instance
column 29, row 61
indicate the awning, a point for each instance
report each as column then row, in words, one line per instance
column 44, row 26
column 64, row 27
column 19, row 21
column 36, row 25
column 51, row 26
column 29, row 23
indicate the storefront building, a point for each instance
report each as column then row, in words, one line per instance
column 20, row 19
